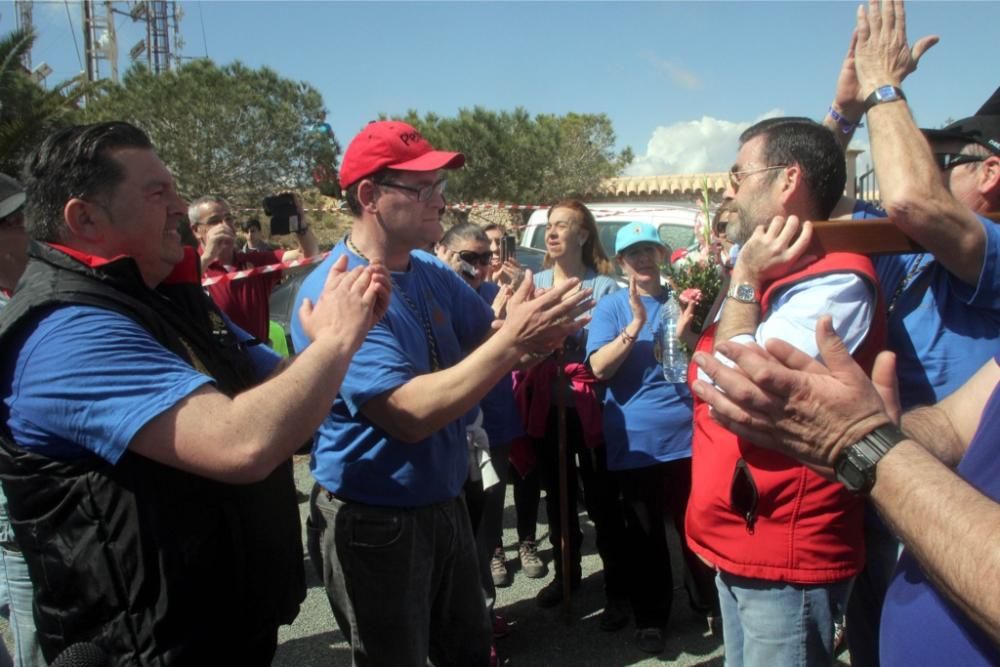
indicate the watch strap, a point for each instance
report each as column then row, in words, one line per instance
column 883, row 94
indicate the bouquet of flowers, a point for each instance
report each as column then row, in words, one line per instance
column 697, row 275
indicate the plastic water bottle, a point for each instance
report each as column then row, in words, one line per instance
column 673, row 359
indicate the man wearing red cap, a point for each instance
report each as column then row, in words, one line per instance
column 399, row 559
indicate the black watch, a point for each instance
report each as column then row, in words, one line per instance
column 883, row 94
column 855, row 467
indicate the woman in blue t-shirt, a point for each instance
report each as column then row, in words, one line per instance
column 573, row 250
column 647, row 428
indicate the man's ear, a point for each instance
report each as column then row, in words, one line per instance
column 989, row 179
column 85, row 219
column 366, row 195
column 791, row 182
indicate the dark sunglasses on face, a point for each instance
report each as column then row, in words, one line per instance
column 946, row 161
column 475, row 258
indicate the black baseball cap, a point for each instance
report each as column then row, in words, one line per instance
column 983, row 128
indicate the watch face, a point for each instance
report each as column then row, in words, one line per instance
column 885, row 93
column 850, row 475
column 745, row 293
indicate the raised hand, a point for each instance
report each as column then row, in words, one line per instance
column 350, row 303
column 774, row 250
column 539, row 323
column 783, row 399
column 882, row 54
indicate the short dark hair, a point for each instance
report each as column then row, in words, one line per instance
column 464, row 231
column 74, row 163
column 351, row 194
column 251, row 223
column 801, row 141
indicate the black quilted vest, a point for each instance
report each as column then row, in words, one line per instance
column 155, row 565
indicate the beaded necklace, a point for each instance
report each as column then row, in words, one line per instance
column 414, row 309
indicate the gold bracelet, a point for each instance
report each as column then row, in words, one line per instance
column 626, row 338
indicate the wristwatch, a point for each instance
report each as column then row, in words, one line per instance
column 744, row 293
column 883, row 94
column 855, row 467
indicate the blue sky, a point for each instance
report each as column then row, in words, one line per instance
column 679, row 80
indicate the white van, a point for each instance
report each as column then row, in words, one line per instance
column 673, row 223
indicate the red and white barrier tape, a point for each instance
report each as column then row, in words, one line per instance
column 258, row 270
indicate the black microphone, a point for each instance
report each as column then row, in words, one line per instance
column 81, row 654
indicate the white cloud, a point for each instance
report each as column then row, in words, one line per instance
column 695, row 146
column 677, row 73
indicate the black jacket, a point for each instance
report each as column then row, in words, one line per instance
column 154, row 565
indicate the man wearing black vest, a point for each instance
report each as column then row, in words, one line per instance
column 145, row 462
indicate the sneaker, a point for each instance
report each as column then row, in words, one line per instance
column 650, row 640
column 531, row 564
column 501, row 628
column 498, row 569
column 552, row 593
column 615, row 615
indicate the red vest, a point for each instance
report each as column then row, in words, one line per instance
column 806, row 529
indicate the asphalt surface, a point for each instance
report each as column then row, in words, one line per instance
column 538, row 637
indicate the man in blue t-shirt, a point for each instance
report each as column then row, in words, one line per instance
column 390, row 460
column 135, row 415
column 943, row 306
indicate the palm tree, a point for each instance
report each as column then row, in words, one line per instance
column 29, row 112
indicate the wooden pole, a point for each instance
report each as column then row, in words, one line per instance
column 564, row 538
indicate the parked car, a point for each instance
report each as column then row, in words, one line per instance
column 673, row 223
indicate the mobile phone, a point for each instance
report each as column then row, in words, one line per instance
column 466, row 268
column 283, row 213
column 508, row 248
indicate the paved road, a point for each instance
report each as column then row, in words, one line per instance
column 539, row 637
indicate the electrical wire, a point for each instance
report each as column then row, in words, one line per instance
column 72, row 31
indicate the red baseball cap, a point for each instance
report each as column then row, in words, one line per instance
column 391, row 144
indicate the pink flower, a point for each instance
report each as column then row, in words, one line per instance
column 691, row 294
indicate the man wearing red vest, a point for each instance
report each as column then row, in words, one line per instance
column 786, row 542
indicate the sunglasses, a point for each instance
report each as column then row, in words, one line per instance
column 743, row 494
column 946, row 161
column 475, row 258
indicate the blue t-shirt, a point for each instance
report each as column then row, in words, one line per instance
column 501, row 419
column 602, row 285
column 82, row 379
column 647, row 420
column 354, row 458
column 942, row 329
column 919, row 625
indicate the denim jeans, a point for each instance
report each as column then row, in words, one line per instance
column 403, row 582
column 16, row 596
column 770, row 623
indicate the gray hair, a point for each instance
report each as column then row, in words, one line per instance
column 205, row 199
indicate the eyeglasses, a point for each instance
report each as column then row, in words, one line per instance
column 475, row 258
column 736, row 177
column 946, row 161
column 424, row 194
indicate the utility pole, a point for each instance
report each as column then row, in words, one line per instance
column 24, row 22
column 163, row 42
column 99, row 40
